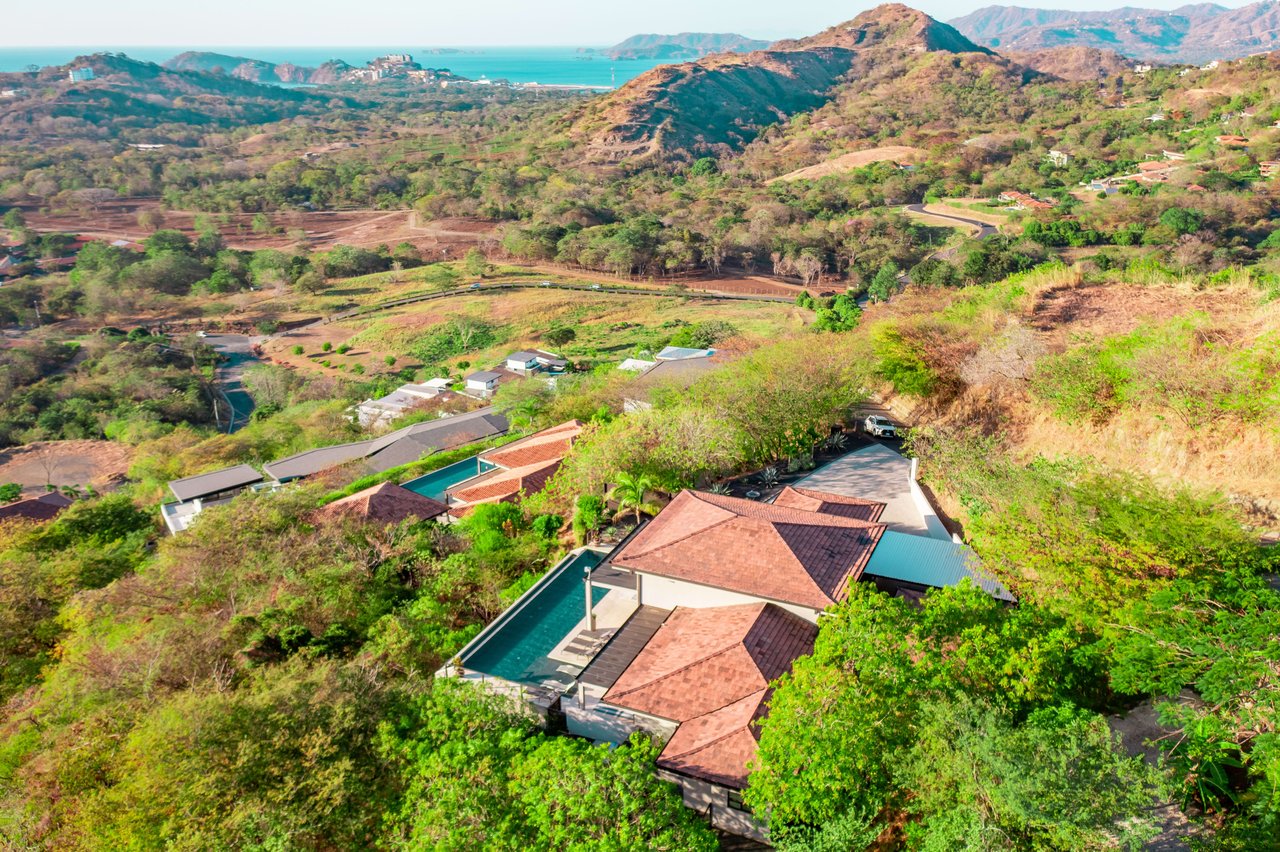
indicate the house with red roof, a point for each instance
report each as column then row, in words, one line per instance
column 386, row 504
column 46, row 507
column 680, row 630
column 521, row 467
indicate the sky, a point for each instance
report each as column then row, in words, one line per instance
column 106, row 23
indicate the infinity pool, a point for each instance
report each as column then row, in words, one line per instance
column 437, row 482
column 517, row 650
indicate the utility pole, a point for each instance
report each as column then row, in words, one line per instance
column 36, row 305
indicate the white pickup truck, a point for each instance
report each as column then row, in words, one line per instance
column 880, row 427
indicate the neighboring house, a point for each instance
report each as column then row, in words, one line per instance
column 521, row 467
column 80, row 75
column 1155, row 117
column 380, row 412
column 535, row 361
column 1175, row 156
column 483, row 383
column 1023, row 201
column 1269, row 168
column 1059, row 158
column 196, row 493
column 395, row 448
column 43, row 508
column 387, row 504
column 681, row 629
column 1231, row 140
column 680, row 372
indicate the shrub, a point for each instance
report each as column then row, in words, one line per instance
column 298, row 350
column 587, row 517
column 547, row 526
column 326, row 347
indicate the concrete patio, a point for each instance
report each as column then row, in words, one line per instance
column 882, row 474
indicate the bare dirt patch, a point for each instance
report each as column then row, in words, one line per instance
column 118, row 220
column 745, row 285
column 1113, row 309
column 101, row 464
column 856, row 160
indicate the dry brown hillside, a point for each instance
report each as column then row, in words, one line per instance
column 722, row 102
column 1076, row 63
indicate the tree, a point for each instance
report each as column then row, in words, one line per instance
column 630, row 492
column 560, row 336
column 310, row 282
column 846, row 716
column 152, row 219
column 9, row 492
column 1183, row 220
column 980, row 781
column 885, row 283
column 13, row 219
column 474, row 263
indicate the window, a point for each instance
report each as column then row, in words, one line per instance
column 736, row 803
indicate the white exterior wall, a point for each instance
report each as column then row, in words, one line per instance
column 712, row 800
column 668, row 593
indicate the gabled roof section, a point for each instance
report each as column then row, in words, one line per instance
column 387, row 503
column 540, row 447
column 823, row 502
column 710, row 670
column 501, row 485
column 42, row 508
column 774, row 552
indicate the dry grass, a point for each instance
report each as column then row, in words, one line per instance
column 856, row 160
column 76, row 463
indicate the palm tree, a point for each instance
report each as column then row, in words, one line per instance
column 630, row 491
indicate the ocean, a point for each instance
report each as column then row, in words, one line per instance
column 546, row 65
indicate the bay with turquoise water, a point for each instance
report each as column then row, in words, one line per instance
column 561, row 66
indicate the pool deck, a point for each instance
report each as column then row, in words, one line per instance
column 572, row 651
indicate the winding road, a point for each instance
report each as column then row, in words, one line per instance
column 237, row 350
column 984, row 230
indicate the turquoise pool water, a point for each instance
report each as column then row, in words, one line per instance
column 435, row 483
column 518, row 650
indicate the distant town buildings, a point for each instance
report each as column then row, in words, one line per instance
column 80, row 75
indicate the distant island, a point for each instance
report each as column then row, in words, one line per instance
column 682, row 46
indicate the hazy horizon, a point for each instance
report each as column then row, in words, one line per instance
column 322, row 24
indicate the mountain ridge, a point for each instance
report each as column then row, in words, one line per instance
column 1194, row 33
column 721, row 102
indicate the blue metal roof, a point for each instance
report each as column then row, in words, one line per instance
column 929, row 562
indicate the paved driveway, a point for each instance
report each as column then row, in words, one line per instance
column 879, row 473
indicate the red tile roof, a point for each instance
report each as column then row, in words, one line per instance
column 501, row 485
column 768, row 551
column 709, row 670
column 540, row 447
column 387, row 503
column 826, row 503
column 41, row 508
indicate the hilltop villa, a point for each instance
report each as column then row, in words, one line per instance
column 680, row 630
